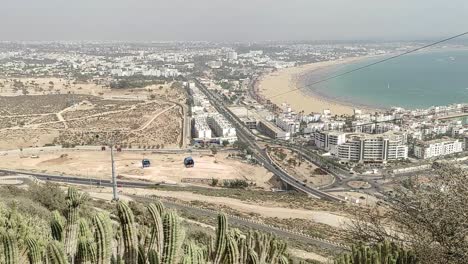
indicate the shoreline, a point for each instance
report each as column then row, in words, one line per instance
column 288, row 79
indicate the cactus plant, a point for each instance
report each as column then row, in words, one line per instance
column 221, row 239
column 157, row 233
column 74, row 201
column 153, row 257
column 10, row 248
column 382, row 253
column 56, row 253
column 129, row 233
column 102, row 238
column 232, row 251
column 172, row 237
column 34, row 251
column 56, row 226
column 86, row 251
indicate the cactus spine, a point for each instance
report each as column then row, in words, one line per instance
column 102, row 238
column 221, row 239
column 55, row 253
column 129, row 233
column 10, row 248
column 172, row 236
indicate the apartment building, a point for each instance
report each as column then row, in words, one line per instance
column 329, row 140
column 365, row 148
column 437, row 148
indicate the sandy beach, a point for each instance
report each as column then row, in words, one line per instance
column 286, row 80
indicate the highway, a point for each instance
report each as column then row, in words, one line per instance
column 245, row 135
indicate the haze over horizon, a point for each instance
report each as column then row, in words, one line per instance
column 242, row 20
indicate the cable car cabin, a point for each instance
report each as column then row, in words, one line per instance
column 189, row 162
column 145, row 163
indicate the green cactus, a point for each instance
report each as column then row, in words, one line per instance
column 56, row 253
column 193, row 254
column 103, row 238
column 129, row 233
column 74, row 201
column 252, row 257
column 56, row 226
column 243, row 249
column 86, row 252
column 34, row 250
column 10, row 248
column 172, row 238
column 232, row 251
column 153, row 257
column 382, row 253
column 221, row 239
column 157, row 232
column 283, row 260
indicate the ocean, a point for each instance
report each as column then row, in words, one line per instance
column 417, row 80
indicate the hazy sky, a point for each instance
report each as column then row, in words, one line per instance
column 232, row 20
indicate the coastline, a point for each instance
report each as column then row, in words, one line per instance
column 288, row 79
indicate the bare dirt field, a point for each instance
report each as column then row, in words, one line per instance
column 167, row 168
column 35, row 121
column 300, row 168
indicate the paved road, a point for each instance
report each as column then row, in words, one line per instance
column 245, row 135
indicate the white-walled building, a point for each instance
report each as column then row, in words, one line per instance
column 367, row 148
column 329, row 140
column 437, row 148
column 222, row 128
column 201, row 128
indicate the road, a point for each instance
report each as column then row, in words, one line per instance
column 245, row 135
column 236, row 221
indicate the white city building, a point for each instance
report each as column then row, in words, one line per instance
column 437, row 148
column 329, row 140
column 222, row 128
column 201, row 129
column 365, row 148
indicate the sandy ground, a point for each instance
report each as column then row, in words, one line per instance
column 368, row 200
column 267, row 210
column 285, row 80
column 167, row 168
column 48, row 118
column 50, row 85
column 304, row 171
column 308, row 255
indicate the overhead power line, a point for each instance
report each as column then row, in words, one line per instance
column 369, row 65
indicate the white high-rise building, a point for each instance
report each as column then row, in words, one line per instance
column 437, row 148
column 329, row 140
column 367, row 148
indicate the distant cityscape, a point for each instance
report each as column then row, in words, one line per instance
column 231, row 72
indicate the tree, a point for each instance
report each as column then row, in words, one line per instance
column 225, row 143
column 428, row 216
